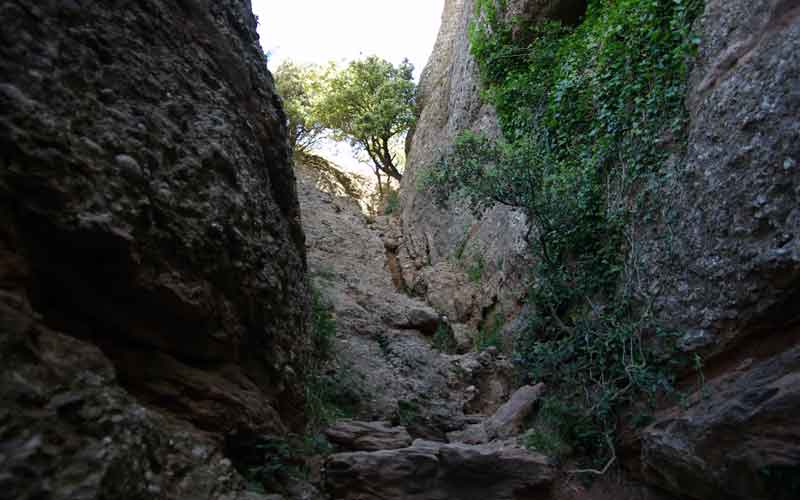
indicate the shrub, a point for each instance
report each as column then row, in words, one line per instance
column 391, row 202
column 489, row 333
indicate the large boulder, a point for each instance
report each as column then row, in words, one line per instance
column 738, row 438
column 437, row 471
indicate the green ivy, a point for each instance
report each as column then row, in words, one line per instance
column 320, row 390
column 589, row 115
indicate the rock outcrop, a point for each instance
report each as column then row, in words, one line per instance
column 152, row 262
column 441, row 243
column 436, row 471
column 389, row 373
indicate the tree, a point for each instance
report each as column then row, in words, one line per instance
column 370, row 104
column 301, row 87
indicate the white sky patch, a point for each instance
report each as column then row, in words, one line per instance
column 318, row 31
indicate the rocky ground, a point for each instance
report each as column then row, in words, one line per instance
column 417, row 422
column 424, row 423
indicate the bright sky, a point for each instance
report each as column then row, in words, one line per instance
column 318, row 31
column 323, row 30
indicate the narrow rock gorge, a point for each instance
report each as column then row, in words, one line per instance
column 167, row 263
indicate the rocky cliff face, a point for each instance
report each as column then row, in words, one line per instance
column 151, row 255
column 720, row 264
column 442, row 244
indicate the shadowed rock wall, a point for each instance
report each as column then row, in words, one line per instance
column 151, row 255
column 721, row 264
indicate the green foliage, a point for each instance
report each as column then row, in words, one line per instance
column 545, row 441
column 323, row 325
column 276, row 459
column 588, row 115
column 369, row 104
column 489, row 333
column 475, row 270
column 443, row 339
column 273, row 466
column 408, row 413
column 391, row 203
column 301, row 86
column 320, row 389
column 268, row 461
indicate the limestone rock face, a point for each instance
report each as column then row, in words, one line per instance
column 149, row 232
column 441, row 244
column 729, row 276
column 436, row 471
column 732, row 267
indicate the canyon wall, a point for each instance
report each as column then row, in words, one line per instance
column 719, row 261
column 442, row 243
column 152, row 261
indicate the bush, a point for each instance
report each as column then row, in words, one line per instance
column 443, row 339
column 489, row 333
column 391, row 202
column 321, row 406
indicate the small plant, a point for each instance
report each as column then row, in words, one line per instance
column 281, row 458
column 273, row 464
column 458, row 253
column 475, row 270
column 489, row 333
column 391, row 203
column 547, row 442
column 408, row 412
column 383, row 343
column 320, row 406
column 443, row 339
column 325, row 272
column 323, row 328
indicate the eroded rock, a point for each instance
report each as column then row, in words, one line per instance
column 150, row 249
column 738, row 438
column 437, row 471
column 367, row 436
column 440, row 244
